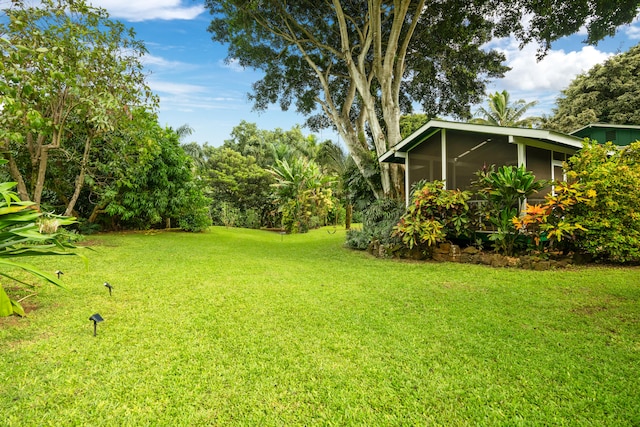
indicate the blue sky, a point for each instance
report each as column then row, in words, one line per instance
column 188, row 72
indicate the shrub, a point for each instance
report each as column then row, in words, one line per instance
column 549, row 225
column 195, row 220
column 612, row 221
column 251, row 218
column 502, row 192
column 434, row 215
column 378, row 221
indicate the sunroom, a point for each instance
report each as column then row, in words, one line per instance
column 453, row 152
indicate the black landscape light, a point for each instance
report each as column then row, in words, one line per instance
column 108, row 286
column 59, row 273
column 96, row 318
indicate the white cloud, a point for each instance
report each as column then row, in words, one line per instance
column 158, row 61
column 633, row 30
column 143, row 10
column 553, row 73
column 178, row 89
column 233, row 65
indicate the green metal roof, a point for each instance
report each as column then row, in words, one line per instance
column 395, row 154
column 603, row 132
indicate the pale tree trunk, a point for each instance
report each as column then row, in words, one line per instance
column 80, row 178
column 43, row 160
column 40, row 154
column 21, row 187
column 386, row 69
column 340, row 115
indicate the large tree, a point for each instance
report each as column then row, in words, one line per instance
column 607, row 93
column 364, row 63
column 66, row 68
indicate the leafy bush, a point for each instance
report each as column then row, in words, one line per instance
column 502, row 192
column 251, row 218
column 434, row 215
column 378, row 221
column 195, row 220
column 612, row 220
column 229, row 215
column 549, row 225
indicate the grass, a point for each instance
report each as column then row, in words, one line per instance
column 238, row 327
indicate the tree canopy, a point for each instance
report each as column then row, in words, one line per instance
column 363, row 64
column 607, row 93
column 67, row 69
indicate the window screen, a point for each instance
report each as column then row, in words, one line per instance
column 467, row 154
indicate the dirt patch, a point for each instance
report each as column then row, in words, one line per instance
column 589, row 310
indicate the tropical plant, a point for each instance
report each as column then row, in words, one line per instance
column 25, row 231
column 302, row 192
column 502, row 193
column 549, row 224
column 378, row 221
column 502, row 112
column 433, row 215
column 334, row 161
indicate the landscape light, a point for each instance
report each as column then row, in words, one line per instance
column 96, row 318
column 108, row 286
column 59, row 273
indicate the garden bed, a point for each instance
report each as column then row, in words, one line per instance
column 447, row 252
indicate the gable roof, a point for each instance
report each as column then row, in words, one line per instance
column 620, row 135
column 604, row 125
column 434, row 126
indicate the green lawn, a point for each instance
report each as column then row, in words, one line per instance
column 238, row 327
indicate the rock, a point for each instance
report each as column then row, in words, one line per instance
column 499, row 261
column 471, row 250
column 444, row 247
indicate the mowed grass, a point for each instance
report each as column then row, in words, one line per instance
column 239, row 327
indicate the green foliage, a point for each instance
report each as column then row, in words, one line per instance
column 549, row 224
column 378, row 221
column 236, row 182
column 410, row 123
column 160, row 186
column 24, row 231
column 607, row 93
column 502, row 112
column 267, row 146
column 228, row 214
column 302, row 192
column 194, row 215
column 433, row 215
column 67, row 69
column 501, row 193
column 612, row 219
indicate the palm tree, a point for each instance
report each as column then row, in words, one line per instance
column 503, row 113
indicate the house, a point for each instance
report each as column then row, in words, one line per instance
column 454, row 152
column 618, row 134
